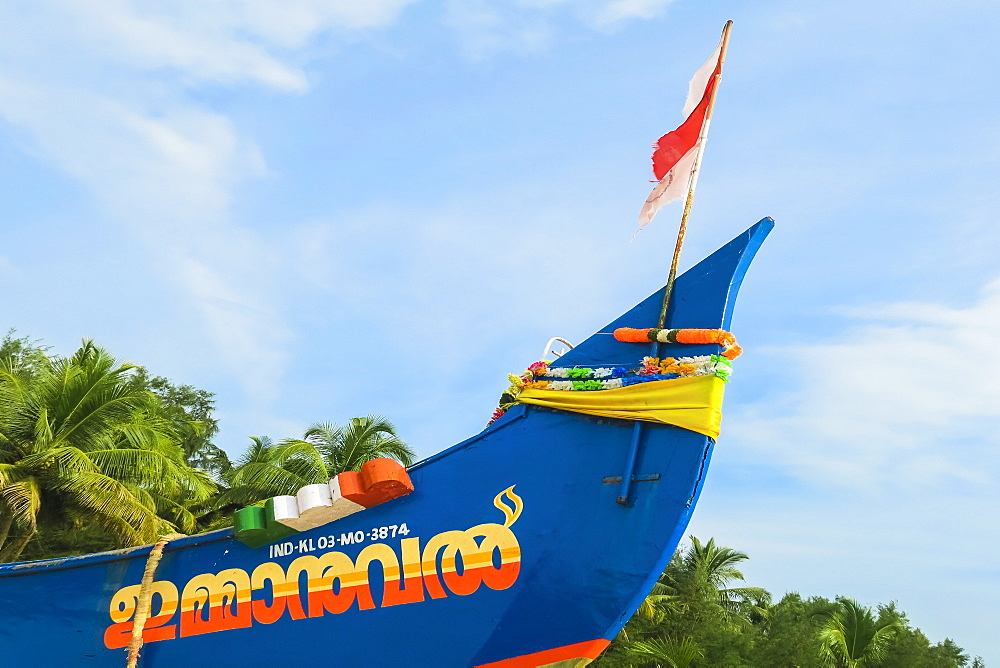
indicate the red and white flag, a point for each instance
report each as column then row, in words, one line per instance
column 675, row 153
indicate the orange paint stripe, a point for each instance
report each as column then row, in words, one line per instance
column 285, row 588
column 475, row 560
column 470, row 561
column 352, row 579
column 121, row 617
column 452, row 568
column 581, row 650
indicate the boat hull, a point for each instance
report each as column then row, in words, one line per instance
column 511, row 551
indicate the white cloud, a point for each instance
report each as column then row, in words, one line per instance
column 909, row 398
column 487, row 27
column 103, row 89
column 217, row 40
column 447, row 272
column 169, row 177
column 620, row 10
column 200, row 46
column 175, row 164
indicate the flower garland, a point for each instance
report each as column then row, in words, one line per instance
column 731, row 349
column 517, row 383
column 653, row 368
column 702, row 365
column 541, row 376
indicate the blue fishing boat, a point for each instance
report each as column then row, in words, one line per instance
column 529, row 544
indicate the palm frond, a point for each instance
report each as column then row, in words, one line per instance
column 271, row 480
column 109, row 503
column 154, row 471
column 22, row 499
column 363, row 439
column 852, row 637
column 302, row 456
column 59, row 460
column 240, row 495
column 668, row 652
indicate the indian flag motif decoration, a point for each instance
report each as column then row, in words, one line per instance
column 378, row 481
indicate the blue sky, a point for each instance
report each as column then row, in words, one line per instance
column 324, row 209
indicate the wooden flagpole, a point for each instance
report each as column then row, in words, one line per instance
column 692, row 182
column 633, row 450
column 634, row 445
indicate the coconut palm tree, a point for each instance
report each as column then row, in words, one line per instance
column 269, row 469
column 704, row 573
column 853, row 638
column 361, row 440
column 79, row 443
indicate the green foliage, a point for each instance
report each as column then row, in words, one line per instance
column 190, row 411
column 95, row 454
column 790, row 637
column 83, row 444
column 910, row 648
column 694, row 616
column 692, row 605
column 23, row 352
column 66, row 540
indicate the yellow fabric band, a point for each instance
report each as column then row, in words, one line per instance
column 694, row 402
